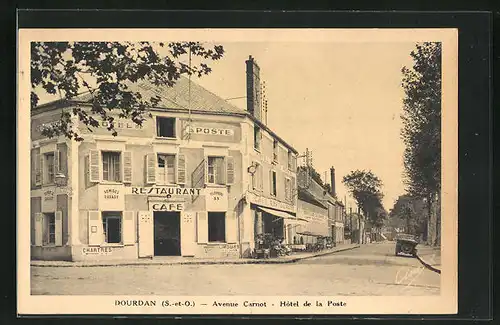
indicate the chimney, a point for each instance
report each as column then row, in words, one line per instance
column 332, row 180
column 254, row 98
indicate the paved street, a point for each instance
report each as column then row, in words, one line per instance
column 369, row 270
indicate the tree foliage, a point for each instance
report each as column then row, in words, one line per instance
column 365, row 187
column 105, row 69
column 409, row 212
column 421, row 118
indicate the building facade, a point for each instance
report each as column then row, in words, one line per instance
column 198, row 179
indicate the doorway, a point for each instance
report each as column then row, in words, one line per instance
column 167, row 233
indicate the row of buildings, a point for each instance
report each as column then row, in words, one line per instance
column 200, row 178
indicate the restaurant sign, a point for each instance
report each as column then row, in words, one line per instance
column 163, row 191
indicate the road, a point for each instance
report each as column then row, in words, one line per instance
column 371, row 269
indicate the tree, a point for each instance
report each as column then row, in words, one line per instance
column 365, row 187
column 409, row 212
column 421, row 131
column 105, row 69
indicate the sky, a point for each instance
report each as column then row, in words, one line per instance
column 341, row 100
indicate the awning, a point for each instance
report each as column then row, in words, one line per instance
column 290, row 219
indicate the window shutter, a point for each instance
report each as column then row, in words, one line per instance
column 145, row 234
column 220, row 168
column 287, row 189
column 38, row 229
column 128, row 228
column 271, row 182
column 58, row 234
column 38, row 179
column 41, row 168
column 96, row 235
column 95, row 166
column 57, row 161
column 151, row 168
column 205, row 171
column 230, row 170
column 202, row 224
column 181, row 169
column 127, row 167
column 231, row 228
column 261, row 178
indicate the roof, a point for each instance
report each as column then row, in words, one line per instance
column 306, row 196
column 178, row 97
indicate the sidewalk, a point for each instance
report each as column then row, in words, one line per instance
column 177, row 260
column 430, row 257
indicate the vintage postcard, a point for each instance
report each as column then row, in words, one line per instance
column 228, row 171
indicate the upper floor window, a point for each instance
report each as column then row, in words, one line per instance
column 165, row 127
column 50, row 167
column 215, row 170
column 288, row 189
column 290, row 160
column 257, row 177
column 111, row 166
column 273, row 183
column 256, row 137
column 166, row 169
column 275, row 150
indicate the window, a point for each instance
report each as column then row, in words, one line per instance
column 273, row 183
column 215, row 170
column 275, row 151
column 50, row 226
column 290, row 160
column 257, row 177
column 111, row 166
column 256, row 137
column 288, row 189
column 49, row 162
column 111, row 225
column 166, row 169
column 216, row 226
column 165, row 127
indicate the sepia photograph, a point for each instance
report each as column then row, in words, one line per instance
column 229, row 171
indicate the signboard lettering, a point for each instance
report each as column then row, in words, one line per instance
column 97, row 250
column 210, row 131
column 48, row 195
column 165, row 191
column 176, row 206
column 111, row 193
column 271, row 203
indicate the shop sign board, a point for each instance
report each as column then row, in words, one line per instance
column 216, row 199
column 97, row 250
column 269, row 202
column 49, row 200
column 203, row 130
column 163, row 191
column 167, row 206
column 111, row 197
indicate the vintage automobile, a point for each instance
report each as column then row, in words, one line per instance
column 406, row 244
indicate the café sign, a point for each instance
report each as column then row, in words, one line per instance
column 168, row 206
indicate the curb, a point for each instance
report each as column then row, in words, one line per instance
column 215, row 262
column 428, row 266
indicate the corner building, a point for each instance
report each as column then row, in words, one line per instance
column 198, row 179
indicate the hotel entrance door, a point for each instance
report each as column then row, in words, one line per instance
column 167, row 233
